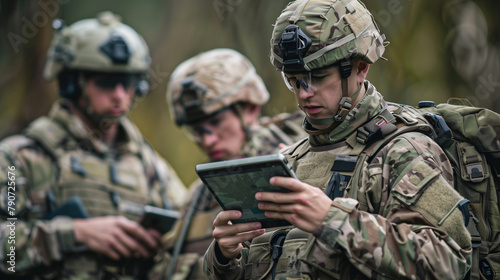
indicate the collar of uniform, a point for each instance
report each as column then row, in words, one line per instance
column 370, row 106
column 85, row 136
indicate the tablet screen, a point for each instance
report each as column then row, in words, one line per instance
column 234, row 186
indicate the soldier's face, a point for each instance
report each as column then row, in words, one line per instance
column 221, row 136
column 320, row 99
column 109, row 99
column 319, row 93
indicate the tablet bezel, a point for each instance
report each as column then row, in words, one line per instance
column 241, row 166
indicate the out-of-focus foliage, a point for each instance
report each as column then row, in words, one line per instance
column 437, row 50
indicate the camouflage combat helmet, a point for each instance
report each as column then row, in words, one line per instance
column 313, row 34
column 102, row 44
column 212, row 81
column 317, row 34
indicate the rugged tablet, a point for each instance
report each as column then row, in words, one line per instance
column 235, row 182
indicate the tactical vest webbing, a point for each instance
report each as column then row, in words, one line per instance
column 108, row 186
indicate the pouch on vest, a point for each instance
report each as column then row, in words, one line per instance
column 264, row 253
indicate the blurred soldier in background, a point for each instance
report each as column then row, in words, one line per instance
column 80, row 177
column 390, row 214
column 217, row 97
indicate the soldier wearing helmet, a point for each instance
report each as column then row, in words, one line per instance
column 217, row 96
column 83, row 174
column 372, row 202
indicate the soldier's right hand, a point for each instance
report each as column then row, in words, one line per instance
column 116, row 237
column 230, row 236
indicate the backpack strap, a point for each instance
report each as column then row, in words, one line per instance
column 394, row 120
column 476, row 243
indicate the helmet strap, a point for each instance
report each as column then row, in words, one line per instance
column 238, row 110
column 345, row 105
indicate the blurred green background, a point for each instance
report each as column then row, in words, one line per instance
column 438, row 50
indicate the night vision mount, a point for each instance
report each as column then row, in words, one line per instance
column 293, row 46
column 190, row 99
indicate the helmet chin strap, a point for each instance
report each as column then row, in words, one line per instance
column 238, row 110
column 345, row 105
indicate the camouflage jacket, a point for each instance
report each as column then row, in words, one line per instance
column 404, row 224
column 264, row 139
column 57, row 160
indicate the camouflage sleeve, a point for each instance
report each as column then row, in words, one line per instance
column 214, row 269
column 407, row 223
column 176, row 190
column 27, row 243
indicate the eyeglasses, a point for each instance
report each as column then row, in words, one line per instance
column 310, row 81
column 214, row 124
column 111, row 81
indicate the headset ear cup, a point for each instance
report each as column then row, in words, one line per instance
column 69, row 84
column 142, row 87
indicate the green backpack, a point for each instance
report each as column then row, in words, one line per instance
column 470, row 137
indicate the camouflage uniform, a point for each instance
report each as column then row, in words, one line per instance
column 399, row 217
column 264, row 140
column 59, row 161
column 389, row 232
column 202, row 73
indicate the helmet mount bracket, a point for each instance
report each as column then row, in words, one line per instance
column 294, row 45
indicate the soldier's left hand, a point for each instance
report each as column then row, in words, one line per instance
column 305, row 207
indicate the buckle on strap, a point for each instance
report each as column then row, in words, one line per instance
column 377, row 128
column 345, row 106
column 475, row 172
column 473, row 164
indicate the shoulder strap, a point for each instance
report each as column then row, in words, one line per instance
column 52, row 137
column 394, row 120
